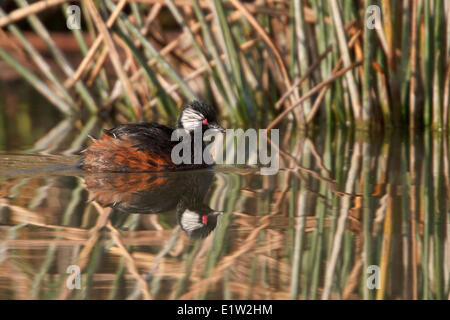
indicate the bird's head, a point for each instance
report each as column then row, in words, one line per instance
column 196, row 218
column 198, row 115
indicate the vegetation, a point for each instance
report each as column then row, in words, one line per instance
column 255, row 60
column 343, row 200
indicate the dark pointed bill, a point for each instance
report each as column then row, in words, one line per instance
column 216, row 126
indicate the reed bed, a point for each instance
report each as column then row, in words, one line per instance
column 259, row 62
column 294, row 235
column 344, row 200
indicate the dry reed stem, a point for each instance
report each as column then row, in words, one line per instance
column 252, row 20
column 413, row 209
column 446, row 99
column 83, row 257
column 30, row 213
column 316, row 105
column 312, row 173
column 412, row 86
column 131, row 264
column 318, row 158
column 312, row 91
column 300, row 80
column 353, row 279
column 20, row 51
column 383, row 41
column 158, row 259
column 72, row 239
column 98, row 66
column 322, row 93
column 339, row 27
column 386, row 243
column 194, row 74
column 93, row 49
column 34, row 8
column 115, row 59
column 341, row 223
column 253, row 9
column 153, row 14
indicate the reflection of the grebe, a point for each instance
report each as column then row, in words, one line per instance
column 159, row 192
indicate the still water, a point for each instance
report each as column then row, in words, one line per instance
column 348, row 216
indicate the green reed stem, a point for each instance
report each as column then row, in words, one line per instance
column 37, row 83
column 232, row 58
column 210, row 45
column 429, row 64
column 439, row 56
column 369, row 47
column 151, row 50
column 64, row 64
column 428, row 194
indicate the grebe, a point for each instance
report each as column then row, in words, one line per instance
column 146, row 147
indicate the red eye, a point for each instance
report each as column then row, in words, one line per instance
column 205, row 121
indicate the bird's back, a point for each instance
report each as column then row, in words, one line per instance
column 137, row 147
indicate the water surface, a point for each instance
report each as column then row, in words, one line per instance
column 343, row 207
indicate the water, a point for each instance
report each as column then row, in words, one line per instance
column 348, row 216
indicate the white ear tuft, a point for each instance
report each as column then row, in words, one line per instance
column 190, row 221
column 191, row 119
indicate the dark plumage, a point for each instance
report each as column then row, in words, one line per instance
column 144, row 147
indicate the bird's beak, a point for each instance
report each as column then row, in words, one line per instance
column 217, row 213
column 216, row 126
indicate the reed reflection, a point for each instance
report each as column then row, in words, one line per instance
column 179, row 193
column 342, row 204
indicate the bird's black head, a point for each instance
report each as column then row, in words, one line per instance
column 198, row 115
column 196, row 218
